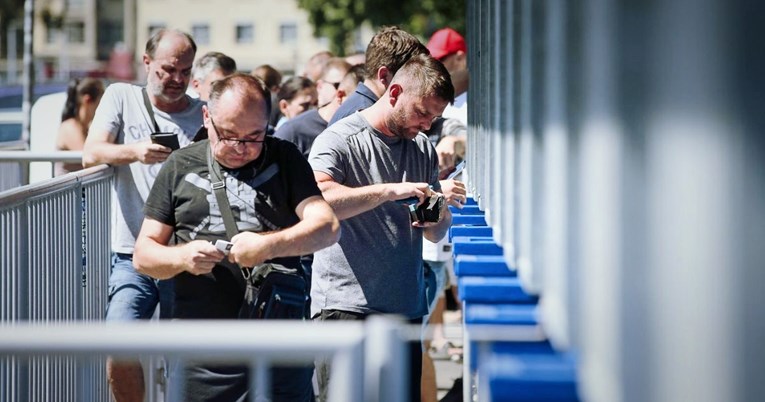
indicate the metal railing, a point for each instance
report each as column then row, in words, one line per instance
column 368, row 359
column 54, row 267
column 15, row 163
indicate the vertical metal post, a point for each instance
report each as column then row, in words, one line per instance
column 260, row 376
column 29, row 74
column 385, row 374
column 11, row 70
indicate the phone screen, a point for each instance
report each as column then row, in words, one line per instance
column 169, row 140
column 457, row 170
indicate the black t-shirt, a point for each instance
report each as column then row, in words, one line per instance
column 182, row 197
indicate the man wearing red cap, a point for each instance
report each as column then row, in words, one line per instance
column 448, row 46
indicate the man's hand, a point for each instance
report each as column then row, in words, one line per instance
column 443, row 213
column 455, row 193
column 249, row 249
column 400, row 191
column 448, row 150
column 149, row 153
column 200, row 257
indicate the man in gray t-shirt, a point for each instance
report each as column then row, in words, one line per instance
column 363, row 165
column 120, row 136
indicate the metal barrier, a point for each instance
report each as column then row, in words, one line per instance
column 378, row 377
column 15, row 163
column 54, row 267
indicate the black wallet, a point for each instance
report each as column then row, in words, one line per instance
column 428, row 211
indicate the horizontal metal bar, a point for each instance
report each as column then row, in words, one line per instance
column 504, row 333
column 220, row 340
column 37, row 156
column 46, row 186
column 11, row 116
column 14, row 145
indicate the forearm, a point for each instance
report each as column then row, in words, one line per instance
column 348, row 202
column 104, row 152
column 157, row 260
column 438, row 231
column 302, row 239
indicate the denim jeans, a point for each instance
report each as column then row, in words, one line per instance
column 134, row 296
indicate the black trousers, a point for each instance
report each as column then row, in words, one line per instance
column 414, row 348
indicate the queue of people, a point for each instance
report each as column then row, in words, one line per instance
column 315, row 168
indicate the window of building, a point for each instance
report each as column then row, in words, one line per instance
column 288, row 32
column 245, row 33
column 201, row 33
column 51, row 35
column 75, row 32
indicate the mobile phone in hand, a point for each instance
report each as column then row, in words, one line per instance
column 169, row 140
column 457, row 170
column 223, row 246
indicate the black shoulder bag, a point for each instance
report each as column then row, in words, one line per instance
column 272, row 291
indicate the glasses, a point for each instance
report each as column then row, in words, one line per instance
column 232, row 142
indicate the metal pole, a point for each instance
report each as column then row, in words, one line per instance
column 11, row 77
column 29, row 79
column 29, row 71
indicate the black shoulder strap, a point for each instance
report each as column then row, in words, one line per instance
column 218, row 183
column 149, row 109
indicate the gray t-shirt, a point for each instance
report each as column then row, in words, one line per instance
column 123, row 114
column 376, row 267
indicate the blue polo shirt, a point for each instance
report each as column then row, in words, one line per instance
column 362, row 98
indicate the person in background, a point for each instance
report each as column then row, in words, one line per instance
column 208, row 68
column 295, row 96
column 273, row 79
column 315, row 65
column 304, row 128
column 388, row 50
column 356, row 59
column 449, row 47
column 449, row 135
column 82, row 97
column 120, row 135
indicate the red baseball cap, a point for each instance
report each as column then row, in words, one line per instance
column 445, row 42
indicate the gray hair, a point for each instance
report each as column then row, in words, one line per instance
column 210, row 62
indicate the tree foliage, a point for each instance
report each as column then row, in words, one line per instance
column 337, row 20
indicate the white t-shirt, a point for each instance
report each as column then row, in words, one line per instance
column 458, row 110
column 123, row 114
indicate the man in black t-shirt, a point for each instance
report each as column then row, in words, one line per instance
column 278, row 210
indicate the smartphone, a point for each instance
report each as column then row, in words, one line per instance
column 457, row 170
column 169, row 140
column 223, row 246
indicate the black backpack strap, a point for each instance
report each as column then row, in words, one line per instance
column 149, row 109
column 218, row 183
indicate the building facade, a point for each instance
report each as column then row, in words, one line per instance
column 253, row 32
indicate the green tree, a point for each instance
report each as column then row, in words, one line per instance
column 338, row 19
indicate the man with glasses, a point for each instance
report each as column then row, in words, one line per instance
column 120, row 136
column 276, row 206
column 303, row 129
